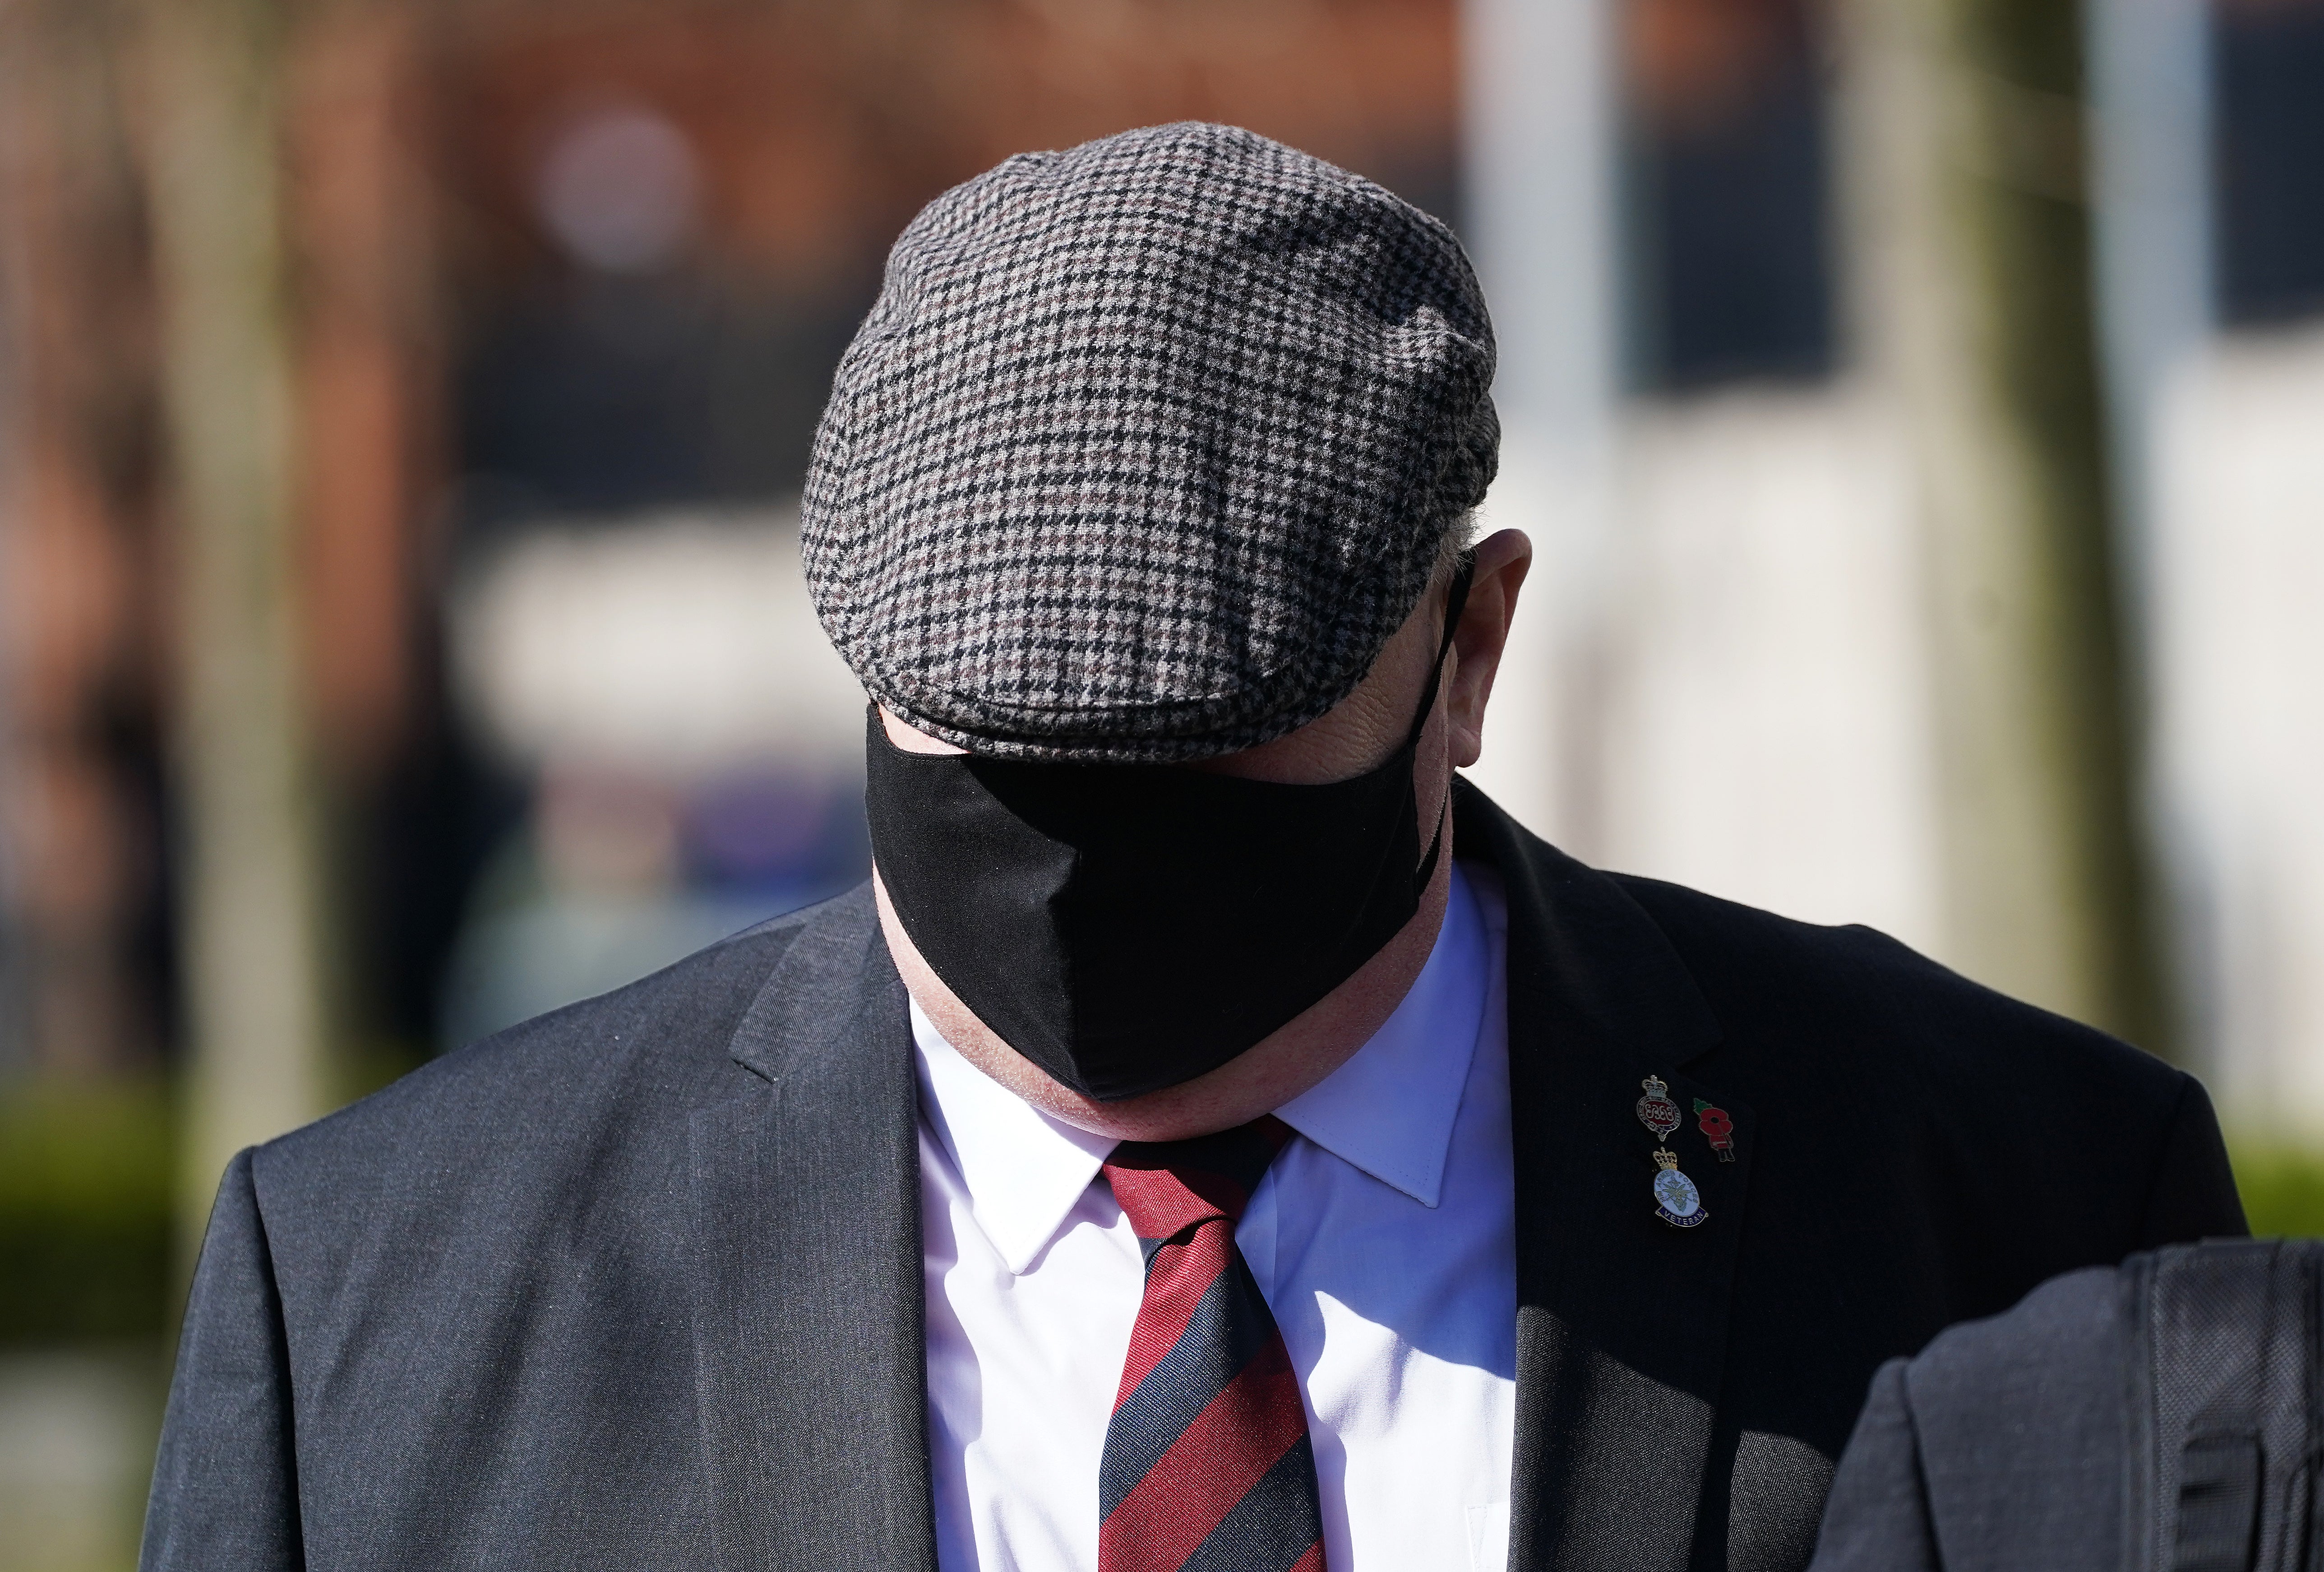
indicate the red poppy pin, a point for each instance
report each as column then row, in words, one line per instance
column 1718, row 1128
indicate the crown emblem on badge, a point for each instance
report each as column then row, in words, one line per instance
column 1676, row 1201
column 1656, row 1112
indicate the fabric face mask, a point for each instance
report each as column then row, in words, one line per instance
column 1128, row 926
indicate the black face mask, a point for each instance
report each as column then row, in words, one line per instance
column 1128, row 926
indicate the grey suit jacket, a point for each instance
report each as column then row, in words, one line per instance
column 2001, row 1447
column 639, row 1283
column 2163, row 1414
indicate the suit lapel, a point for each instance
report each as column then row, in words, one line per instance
column 1621, row 1319
column 808, row 1314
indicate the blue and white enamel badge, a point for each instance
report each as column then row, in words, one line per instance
column 1676, row 1201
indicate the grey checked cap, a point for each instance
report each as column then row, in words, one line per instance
column 1147, row 447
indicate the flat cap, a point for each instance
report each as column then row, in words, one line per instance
column 1145, row 448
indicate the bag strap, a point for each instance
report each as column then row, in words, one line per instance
column 2223, row 1403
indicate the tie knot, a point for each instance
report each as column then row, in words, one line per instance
column 1166, row 1187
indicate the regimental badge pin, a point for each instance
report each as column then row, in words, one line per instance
column 1676, row 1201
column 1656, row 1112
column 1718, row 1127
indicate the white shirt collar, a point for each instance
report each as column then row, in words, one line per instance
column 1388, row 1110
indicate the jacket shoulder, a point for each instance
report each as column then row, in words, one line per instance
column 656, row 1044
column 2077, row 1321
column 1860, row 992
column 2035, row 1135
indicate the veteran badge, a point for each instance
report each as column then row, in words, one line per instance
column 1676, row 1201
column 1656, row 1112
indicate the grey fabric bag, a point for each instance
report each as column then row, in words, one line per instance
column 2223, row 1396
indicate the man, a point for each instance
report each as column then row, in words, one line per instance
column 1218, row 1137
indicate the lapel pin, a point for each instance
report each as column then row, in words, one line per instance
column 1676, row 1201
column 1718, row 1127
column 1656, row 1112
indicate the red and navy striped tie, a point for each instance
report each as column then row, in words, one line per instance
column 1207, row 1464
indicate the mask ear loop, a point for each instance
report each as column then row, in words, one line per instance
column 1456, row 601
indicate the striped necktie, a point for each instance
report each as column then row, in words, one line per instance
column 1207, row 1464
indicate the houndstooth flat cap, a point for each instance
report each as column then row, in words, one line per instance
column 1145, row 448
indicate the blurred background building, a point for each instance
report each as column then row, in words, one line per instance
column 1920, row 406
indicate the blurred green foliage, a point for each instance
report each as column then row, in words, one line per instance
column 85, row 1174
column 2283, row 1185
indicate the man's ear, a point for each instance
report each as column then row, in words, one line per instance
column 1502, row 562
